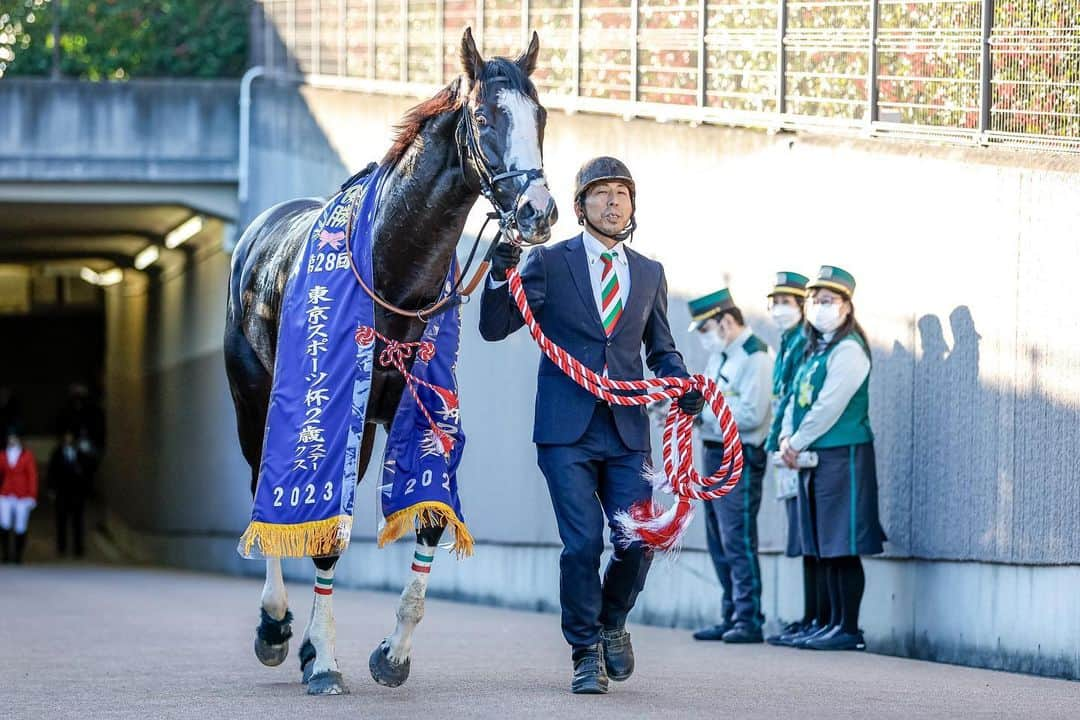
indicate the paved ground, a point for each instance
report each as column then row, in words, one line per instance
column 106, row 642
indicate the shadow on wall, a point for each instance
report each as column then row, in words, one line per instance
column 968, row 505
column 969, row 468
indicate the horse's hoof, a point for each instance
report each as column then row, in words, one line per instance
column 307, row 661
column 329, row 682
column 271, row 655
column 384, row 670
column 272, row 638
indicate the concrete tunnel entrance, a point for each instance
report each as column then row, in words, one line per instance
column 81, row 312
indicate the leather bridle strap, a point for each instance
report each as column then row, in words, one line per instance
column 467, row 149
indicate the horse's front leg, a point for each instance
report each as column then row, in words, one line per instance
column 390, row 661
column 275, row 625
column 317, row 658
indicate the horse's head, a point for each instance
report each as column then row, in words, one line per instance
column 502, row 138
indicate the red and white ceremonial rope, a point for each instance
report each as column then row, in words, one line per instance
column 647, row 521
column 394, row 354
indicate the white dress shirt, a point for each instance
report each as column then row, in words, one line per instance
column 593, row 249
column 746, row 381
column 845, row 371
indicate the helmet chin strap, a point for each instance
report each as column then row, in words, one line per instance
column 626, row 234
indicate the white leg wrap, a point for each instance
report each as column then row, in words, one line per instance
column 321, row 630
column 274, row 599
column 411, row 606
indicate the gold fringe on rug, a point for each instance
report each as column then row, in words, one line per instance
column 318, row 538
column 427, row 514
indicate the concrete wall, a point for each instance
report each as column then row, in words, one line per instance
column 962, row 258
column 137, row 131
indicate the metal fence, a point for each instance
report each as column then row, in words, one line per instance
column 966, row 71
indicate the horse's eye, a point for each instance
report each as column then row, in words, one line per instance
column 481, row 119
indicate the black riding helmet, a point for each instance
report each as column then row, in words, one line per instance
column 604, row 169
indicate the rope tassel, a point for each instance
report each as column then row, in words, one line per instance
column 648, row 522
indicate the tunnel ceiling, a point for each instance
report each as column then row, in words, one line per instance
column 111, row 234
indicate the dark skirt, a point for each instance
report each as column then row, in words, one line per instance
column 838, row 504
column 794, row 531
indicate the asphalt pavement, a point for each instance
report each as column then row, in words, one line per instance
column 90, row 642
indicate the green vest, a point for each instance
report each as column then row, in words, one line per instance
column 753, row 345
column 792, row 348
column 853, row 427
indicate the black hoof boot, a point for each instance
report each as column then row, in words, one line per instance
column 327, row 683
column 307, row 661
column 384, row 670
column 272, row 639
column 618, row 654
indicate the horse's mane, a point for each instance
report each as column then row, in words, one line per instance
column 450, row 98
column 447, row 99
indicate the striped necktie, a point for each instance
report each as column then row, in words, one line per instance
column 611, row 306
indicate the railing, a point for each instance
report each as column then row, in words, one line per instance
column 964, row 71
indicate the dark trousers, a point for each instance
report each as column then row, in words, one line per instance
column 595, row 477
column 731, row 534
column 70, row 511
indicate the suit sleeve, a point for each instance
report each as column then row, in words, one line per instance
column 660, row 353
column 52, row 476
column 499, row 315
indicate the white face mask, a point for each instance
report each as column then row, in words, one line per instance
column 824, row 318
column 785, row 316
column 710, row 341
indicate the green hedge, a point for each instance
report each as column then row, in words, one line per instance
column 119, row 39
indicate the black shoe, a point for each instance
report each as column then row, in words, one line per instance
column 813, row 631
column 618, row 654
column 590, row 677
column 714, row 632
column 743, row 634
column 837, row 639
column 784, row 637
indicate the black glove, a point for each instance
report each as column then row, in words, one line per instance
column 506, row 256
column 692, row 402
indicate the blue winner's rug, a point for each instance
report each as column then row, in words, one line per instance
column 303, row 503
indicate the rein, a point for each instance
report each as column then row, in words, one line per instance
column 647, row 521
column 468, row 148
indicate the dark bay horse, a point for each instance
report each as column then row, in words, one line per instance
column 482, row 133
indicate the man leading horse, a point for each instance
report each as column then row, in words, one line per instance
column 601, row 301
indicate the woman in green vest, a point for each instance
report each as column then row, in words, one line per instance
column 828, row 415
column 786, row 309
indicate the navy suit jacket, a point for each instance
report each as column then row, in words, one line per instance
column 556, row 280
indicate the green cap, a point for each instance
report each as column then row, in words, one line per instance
column 706, row 306
column 790, row 283
column 831, row 277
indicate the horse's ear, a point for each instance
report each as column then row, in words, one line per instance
column 471, row 62
column 527, row 60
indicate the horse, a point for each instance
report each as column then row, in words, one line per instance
column 481, row 134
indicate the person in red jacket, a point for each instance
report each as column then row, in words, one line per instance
column 18, row 495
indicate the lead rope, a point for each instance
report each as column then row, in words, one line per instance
column 648, row 521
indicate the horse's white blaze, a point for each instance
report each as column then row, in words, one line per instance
column 410, row 611
column 321, row 629
column 523, row 148
column 274, row 599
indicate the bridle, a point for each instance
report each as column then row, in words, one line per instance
column 469, row 154
column 469, row 150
